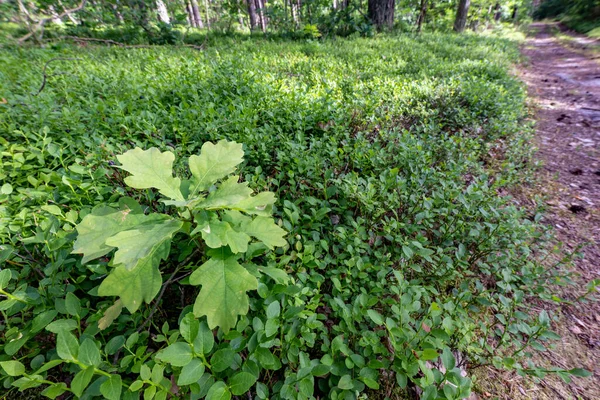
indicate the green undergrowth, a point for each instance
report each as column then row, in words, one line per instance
column 401, row 265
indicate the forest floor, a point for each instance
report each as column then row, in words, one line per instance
column 563, row 80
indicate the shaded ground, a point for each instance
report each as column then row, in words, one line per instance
column 564, row 83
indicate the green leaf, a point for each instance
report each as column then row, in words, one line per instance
column 241, row 383
column 205, row 339
column 227, row 195
column 103, row 223
column 6, row 189
column 138, row 285
column 55, row 390
column 428, row 354
column 81, row 380
column 67, row 345
column 214, row 162
column 218, row 233
column 72, row 304
column 89, row 354
column 265, row 230
column 320, row 370
column 191, row 372
column 135, row 245
column 151, row 169
column 61, row 325
column 5, row 276
column 111, row 388
column 222, row 359
column 273, row 310
column 375, row 316
column 448, row 359
column 223, row 295
column 345, row 383
column 218, row 391
column 135, row 386
column 178, row 354
column 189, row 327
column 13, row 368
column 580, row 372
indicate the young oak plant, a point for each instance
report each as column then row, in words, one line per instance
column 211, row 205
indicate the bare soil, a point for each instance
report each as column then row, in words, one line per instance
column 563, row 82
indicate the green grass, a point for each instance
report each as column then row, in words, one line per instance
column 386, row 155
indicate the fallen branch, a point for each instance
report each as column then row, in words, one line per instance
column 45, row 76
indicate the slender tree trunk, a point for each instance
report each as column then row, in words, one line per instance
column 515, row 12
column 461, row 15
column 163, row 13
column 207, row 14
column 422, row 14
column 196, row 13
column 381, row 13
column 252, row 14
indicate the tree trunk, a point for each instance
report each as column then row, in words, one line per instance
column 196, row 14
column 497, row 12
column 422, row 14
column 461, row 15
column 381, row 13
column 163, row 13
column 207, row 14
column 260, row 5
column 515, row 11
column 252, row 14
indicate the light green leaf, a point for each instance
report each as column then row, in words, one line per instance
column 178, row 354
column 241, row 382
column 6, row 188
column 138, row 285
column 218, row 391
column 67, row 345
column 104, row 223
column 13, row 368
column 214, row 162
column 111, row 388
column 227, row 195
column 136, row 244
column 151, row 169
column 191, row 372
column 261, row 204
column 265, row 230
column 82, row 380
column 223, row 295
column 346, row 383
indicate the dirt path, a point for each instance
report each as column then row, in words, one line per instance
column 565, row 85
